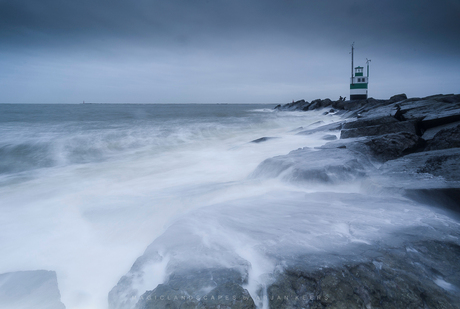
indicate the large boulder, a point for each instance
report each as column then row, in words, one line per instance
column 444, row 139
column 297, row 105
column 36, row 289
column 441, row 163
column 367, row 122
column 398, row 98
column 380, row 129
column 392, row 146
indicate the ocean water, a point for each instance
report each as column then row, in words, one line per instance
column 84, row 189
column 87, row 189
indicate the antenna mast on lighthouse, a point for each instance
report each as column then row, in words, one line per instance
column 352, row 48
column 358, row 82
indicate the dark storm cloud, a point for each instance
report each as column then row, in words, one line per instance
column 223, row 50
column 432, row 25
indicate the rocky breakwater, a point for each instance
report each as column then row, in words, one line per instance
column 413, row 148
column 391, row 242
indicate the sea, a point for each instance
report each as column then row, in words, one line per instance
column 85, row 189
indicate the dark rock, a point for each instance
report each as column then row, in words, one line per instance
column 338, row 104
column 369, row 122
column 410, row 278
column 448, row 198
column 444, row 139
column 392, row 146
column 431, row 132
column 329, row 137
column 385, row 128
column 354, row 105
column 297, row 105
column 325, row 103
column 398, row 98
column 30, row 289
column 262, row 139
column 442, row 163
column 315, row 104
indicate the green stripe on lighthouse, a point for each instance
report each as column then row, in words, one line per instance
column 358, row 86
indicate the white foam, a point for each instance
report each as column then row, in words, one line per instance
column 89, row 221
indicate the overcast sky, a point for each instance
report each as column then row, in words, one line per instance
column 224, row 51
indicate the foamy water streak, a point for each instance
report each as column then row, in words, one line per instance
column 84, row 189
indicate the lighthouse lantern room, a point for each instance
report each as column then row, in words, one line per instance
column 358, row 82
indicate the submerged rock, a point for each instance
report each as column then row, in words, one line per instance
column 327, row 127
column 262, row 139
column 329, row 137
column 322, row 166
column 36, row 289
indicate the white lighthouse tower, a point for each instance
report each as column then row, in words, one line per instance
column 358, row 82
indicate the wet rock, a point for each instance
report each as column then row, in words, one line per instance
column 328, row 127
column 398, row 98
column 323, row 165
column 385, row 128
column 444, row 139
column 425, row 273
column 329, row 137
column 262, row 139
column 442, row 163
column 431, row 132
column 199, row 288
column 30, row 289
column 297, row 105
column 315, row 104
column 325, row 103
column 392, row 146
column 227, row 296
column 448, row 198
column 354, row 105
column 361, row 123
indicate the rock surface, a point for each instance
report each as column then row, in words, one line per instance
column 393, row 146
column 444, row 139
column 421, row 275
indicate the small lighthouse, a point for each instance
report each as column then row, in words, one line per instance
column 358, row 82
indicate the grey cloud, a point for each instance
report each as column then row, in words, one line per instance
column 183, row 22
column 222, row 50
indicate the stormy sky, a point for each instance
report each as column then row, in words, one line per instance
column 223, row 51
